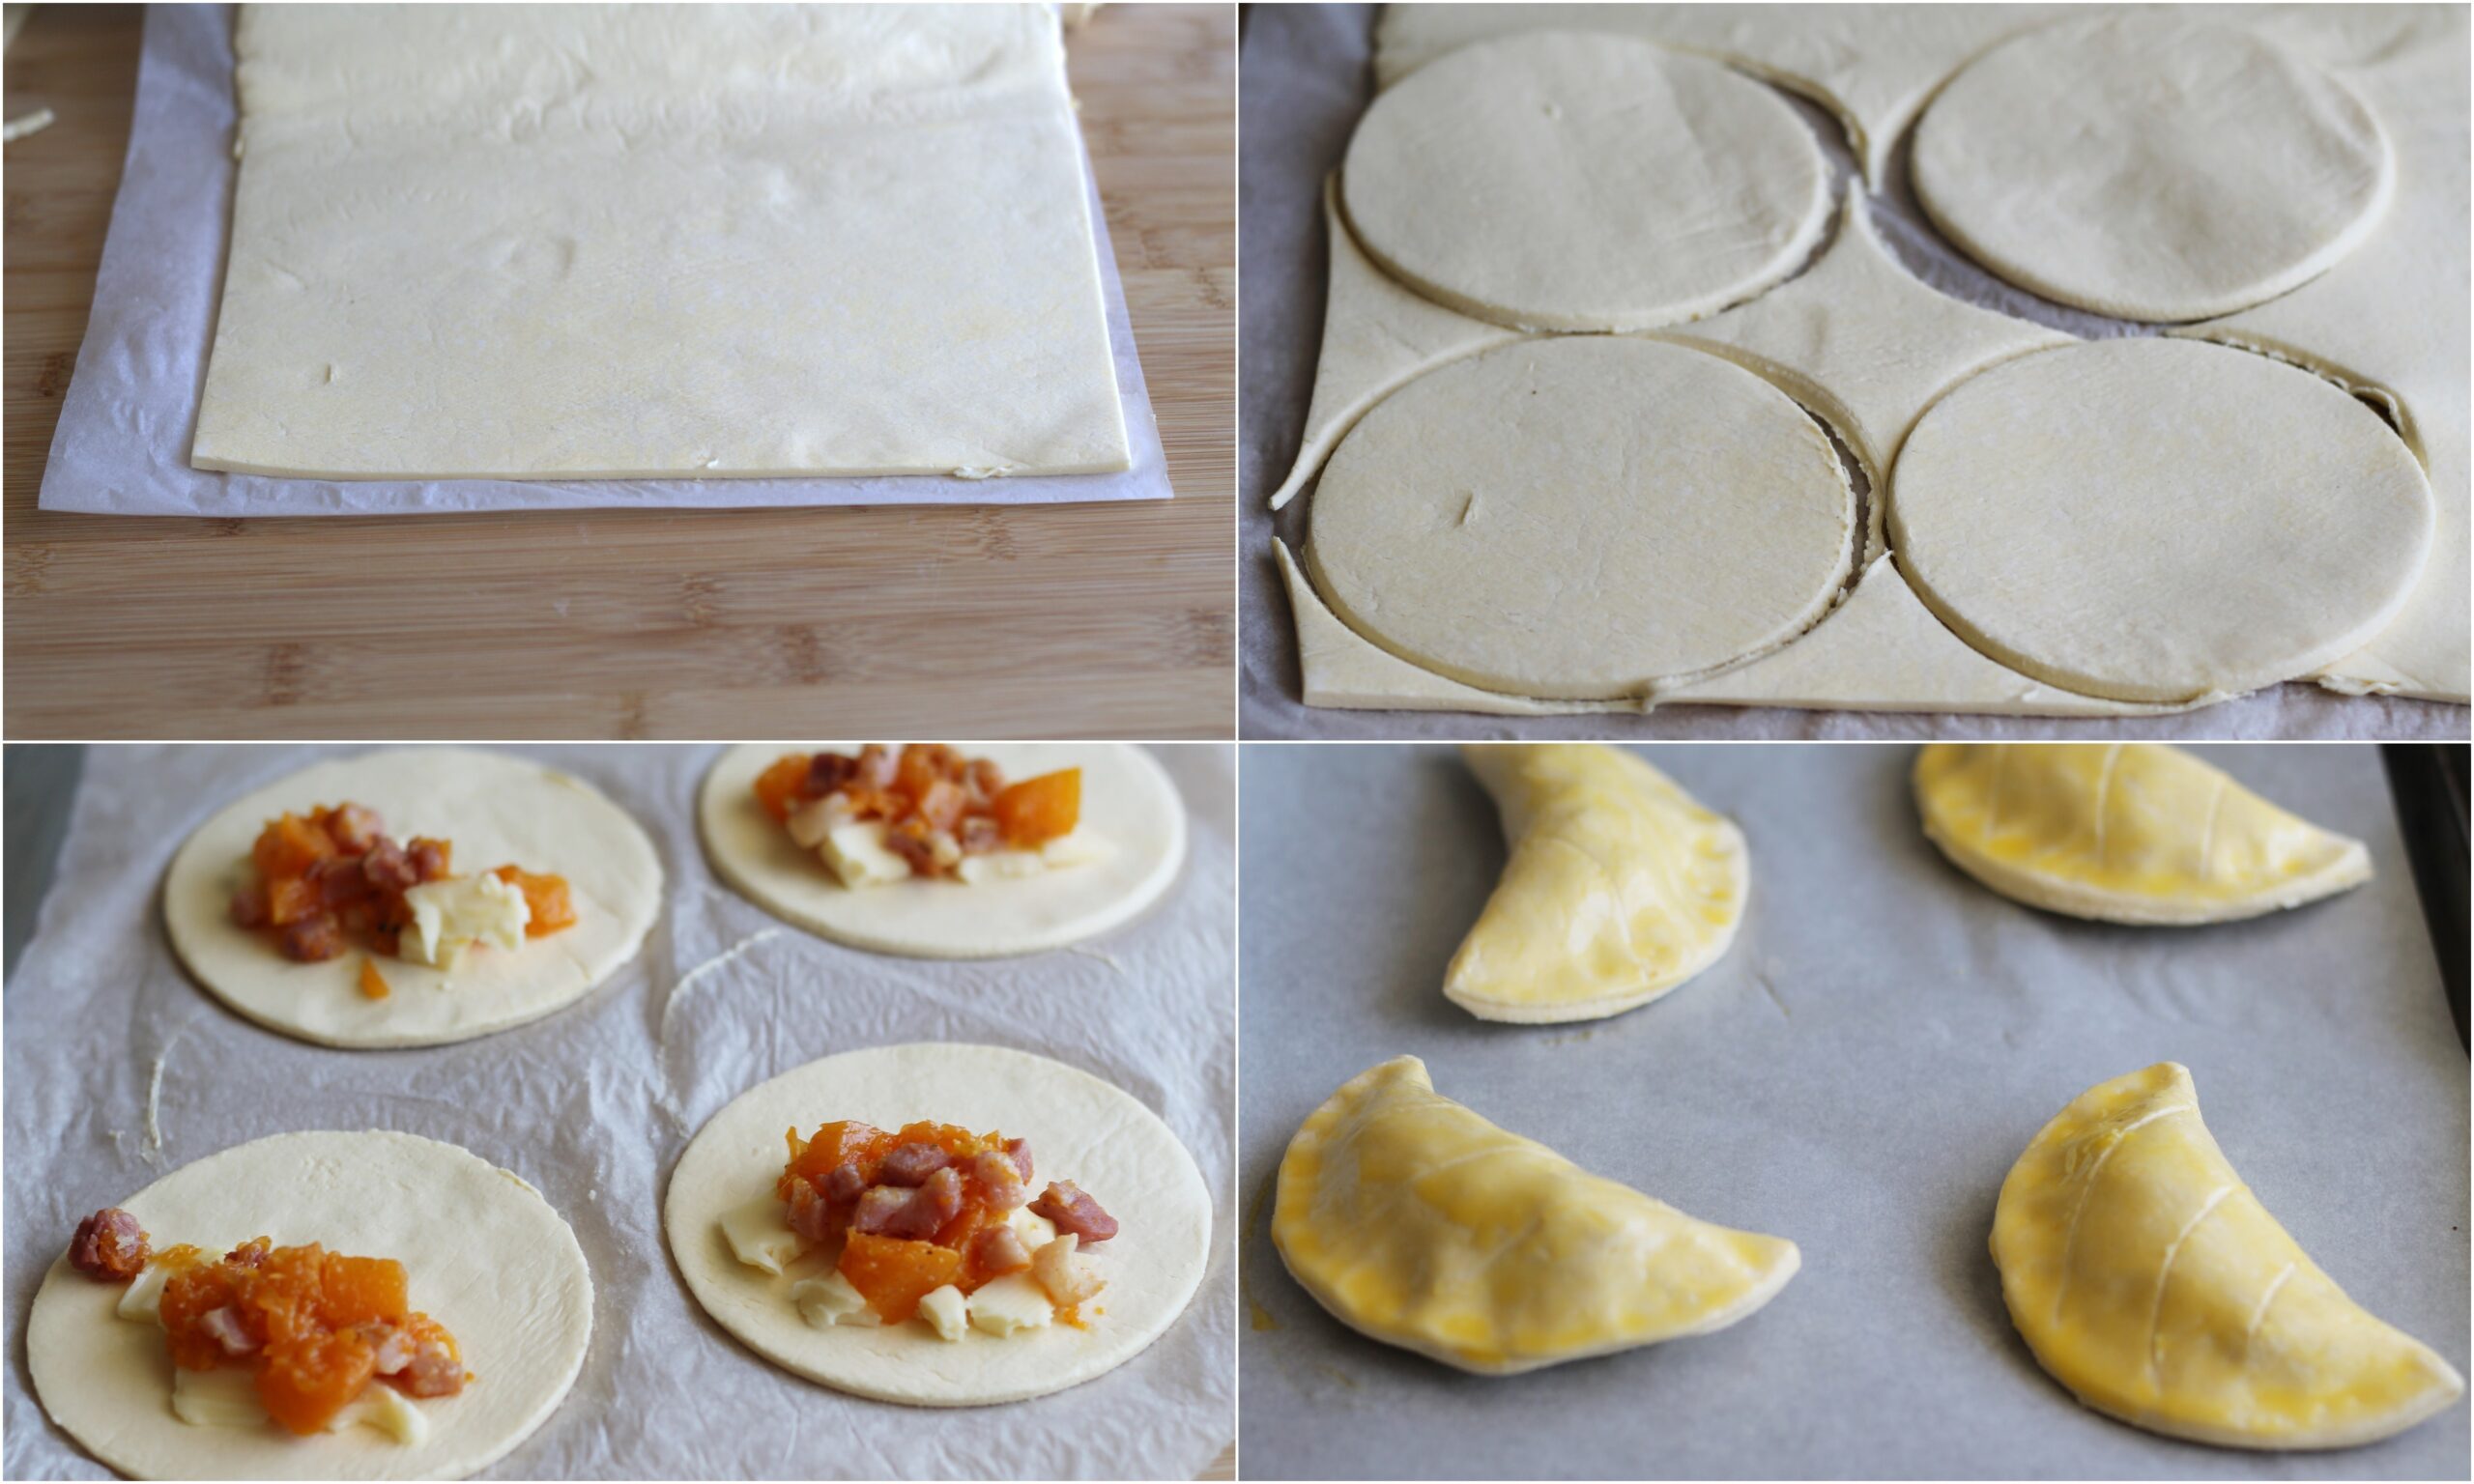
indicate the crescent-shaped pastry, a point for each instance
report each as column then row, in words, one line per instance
column 2150, row 1281
column 1619, row 886
column 1418, row 1222
column 2130, row 832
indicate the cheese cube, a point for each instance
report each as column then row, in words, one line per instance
column 451, row 915
column 831, row 1301
column 856, row 854
column 143, row 1300
column 760, row 1233
column 1010, row 1303
column 1000, row 866
column 388, row 1410
column 944, row 1311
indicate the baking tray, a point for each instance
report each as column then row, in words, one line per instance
column 1857, row 1073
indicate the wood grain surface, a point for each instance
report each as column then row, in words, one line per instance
column 1081, row 620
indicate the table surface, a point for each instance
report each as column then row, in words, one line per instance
column 1082, row 620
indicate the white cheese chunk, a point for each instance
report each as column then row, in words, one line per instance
column 451, row 915
column 143, row 1300
column 1035, row 1230
column 760, row 1233
column 831, row 1301
column 1000, row 866
column 945, row 1312
column 1078, row 847
column 856, row 854
column 812, row 821
column 1010, row 1303
column 227, row 1396
column 388, row 1410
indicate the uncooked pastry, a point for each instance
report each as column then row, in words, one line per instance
column 1080, row 1128
column 487, row 1255
column 1415, row 1221
column 1128, row 802
column 495, row 810
column 2158, row 520
column 1620, row 886
column 2150, row 1281
column 570, row 241
column 2127, row 832
column 2151, row 166
column 1561, row 181
column 1581, row 517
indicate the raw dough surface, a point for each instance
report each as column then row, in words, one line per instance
column 495, row 810
column 1080, row 1129
column 2158, row 520
column 1128, row 802
column 1561, row 181
column 1580, row 518
column 2151, row 166
column 631, row 241
column 487, row 1256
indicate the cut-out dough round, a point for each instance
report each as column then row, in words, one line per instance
column 487, row 1256
column 2132, row 831
column 2151, row 166
column 2150, row 1281
column 1080, row 1128
column 1619, row 886
column 1417, row 1222
column 1578, row 519
column 1562, row 181
column 1127, row 803
column 495, row 810
column 2158, row 520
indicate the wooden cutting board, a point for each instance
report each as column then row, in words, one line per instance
column 1090, row 621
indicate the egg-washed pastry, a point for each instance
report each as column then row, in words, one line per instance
column 1418, row 1222
column 1619, row 886
column 2150, row 1281
column 2126, row 832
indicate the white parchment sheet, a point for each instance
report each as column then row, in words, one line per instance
column 1304, row 75
column 123, row 443
column 121, row 1069
column 1857, row 1074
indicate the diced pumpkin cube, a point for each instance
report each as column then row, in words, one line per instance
column 288, row 846
column 293, row 899
column 1038, row 810
column 373, row 983
column 782, row 787
column 552, row 905
column 893, row 1275
column 362, row 1291
column 306, row 1381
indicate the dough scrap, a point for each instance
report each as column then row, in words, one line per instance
column 1417, row 1222
column 1128, row 801
column 2230, row 521
column 1581, row 517
column 495, row 810
column 1080, row 1128
column 488, row 1258
column 572, row 242
column 2151, row 1282
column 2151, row 166
column 1619, row 886
column 2127, row 832
column 1559, row 181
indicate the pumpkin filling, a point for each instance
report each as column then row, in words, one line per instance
column 332, row 877
column 882, row 816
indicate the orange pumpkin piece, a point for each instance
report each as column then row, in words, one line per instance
column 362, row 1291
column 782, row 787
column 552, row 907
column 288, row 846
column 834, row 1143
column 293, row 899
column 893, row 1275
column 1038, row 810
column 187, row 1295
column 372, row 983
column 308, row 1380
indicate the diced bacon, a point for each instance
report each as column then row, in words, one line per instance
column 880, row 1210
column 985, row 779
column 981, row 835
column 915, row 851
column 429, row 858
column 391, row 1345
column 811, row 1215
column 339, row 879
column 827, row 772
column 434, row 1371
column 1020, row 1151
column 998, row 1250
column 845, row 1184
column 223, row 1327
column 249, row 905
column 1075, row 1213
column 353, row 828
column 876, row 766
column 314, row 939
column 252, row 1253
column 1000, row 1183
column 388, row 868
column 108, row 1246
column 911, row 1215
column 910, row 1163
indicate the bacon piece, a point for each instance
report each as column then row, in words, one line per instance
column 827, row 772
column 108, row 1246
column 1020, row 1151
column 879, row 1210
column 388, row 868
column 847, row 1183
column 877, row 765
column 429, row 858
column 811, row 1213
column 981, row 835
column 252, row 1253
column 249, row 907
column 353, row 828
column 1075, row 1213
column 915, row 850
column 314, row 939
column 433, row 1371
column 339, row 879
column 985, row 780
column 223, row 1327
column 910, row 1163
column 391, row 1347
column 1000, row 1183
column 911, row 1215
column 998, row 1250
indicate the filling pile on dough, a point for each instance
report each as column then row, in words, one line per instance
column 878, row 817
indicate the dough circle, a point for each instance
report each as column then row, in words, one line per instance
column 1080, row 1128
column 1577, row 518
column 1562, row 181
column 1128, row 801
column 2158, row 520
column 494, row 810
column 2151, row 166
column 487, row 1255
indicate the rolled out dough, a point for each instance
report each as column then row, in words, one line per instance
column 1582, row 518
column 1562, row 181
column 2158, row 520
column 1127, row 803
column 545, row 241
column 2151, row 164
column 494, row 810
column 1080, row 1128
column 486, row 1255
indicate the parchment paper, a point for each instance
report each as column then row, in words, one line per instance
column 1857, row 1074
column 1306, row 77
column 109, row 1043
column 123, row 443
